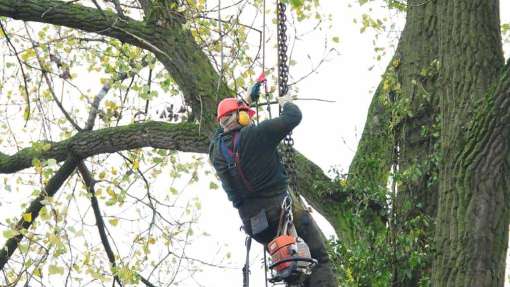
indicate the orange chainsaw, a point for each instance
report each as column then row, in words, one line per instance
column 291, row 260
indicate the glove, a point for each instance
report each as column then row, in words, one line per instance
column 286, row 99
column 255, row 92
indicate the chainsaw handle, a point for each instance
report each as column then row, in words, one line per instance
column 296, row 258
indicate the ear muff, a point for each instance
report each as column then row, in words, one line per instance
column 243, row 118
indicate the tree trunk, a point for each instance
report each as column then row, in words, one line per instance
column 472, row 224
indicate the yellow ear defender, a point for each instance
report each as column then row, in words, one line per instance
column 243, row 118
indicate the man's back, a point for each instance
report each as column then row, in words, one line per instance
column 258, row 157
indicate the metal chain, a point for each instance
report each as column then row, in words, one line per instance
column 283, row 88
column 283, row 68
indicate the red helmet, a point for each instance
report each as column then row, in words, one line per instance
column 229, row 105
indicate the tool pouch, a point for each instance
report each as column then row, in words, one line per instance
column 259, row 222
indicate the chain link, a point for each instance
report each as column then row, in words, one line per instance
column 283, row 68
column 283, row 88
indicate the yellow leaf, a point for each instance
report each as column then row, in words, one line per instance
column 37, row 272
column 114, row 221
column 27, row 55
column 27, row 217
column 136, row 164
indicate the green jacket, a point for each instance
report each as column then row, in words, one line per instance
column 259, row 159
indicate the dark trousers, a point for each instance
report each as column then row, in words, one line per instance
column 322, row 274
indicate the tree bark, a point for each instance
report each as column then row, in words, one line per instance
column 472, row 224
column 180, row 137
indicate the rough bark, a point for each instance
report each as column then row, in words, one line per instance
column 472, row 224
column 415, row 130
column 180, row 137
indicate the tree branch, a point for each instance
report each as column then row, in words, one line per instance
column 90, row 183
column 173, row 45
column 182, row 137
column 35, row 207
column 49, row 84
column 22, row 70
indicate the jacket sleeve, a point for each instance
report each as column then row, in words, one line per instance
column 271, row 132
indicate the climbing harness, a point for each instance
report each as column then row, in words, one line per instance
column 233, row 160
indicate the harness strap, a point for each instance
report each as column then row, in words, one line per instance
column 246, row 268
column 265, row 263
column 233, row 158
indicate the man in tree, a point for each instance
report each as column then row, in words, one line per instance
column 246, row 159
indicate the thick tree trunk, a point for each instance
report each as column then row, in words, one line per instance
column 473, row 217
column 415, row 112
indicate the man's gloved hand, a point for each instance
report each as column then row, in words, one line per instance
column 286, row 99
column 255, row 92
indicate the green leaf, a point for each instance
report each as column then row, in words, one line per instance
column 10, row 233
column 213, row 185
column 114, row 221
column 296, row 3
column 54, row 269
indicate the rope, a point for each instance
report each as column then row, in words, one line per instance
column 221, row 70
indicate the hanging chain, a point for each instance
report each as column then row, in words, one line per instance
column 283, row 68
column 283, row 88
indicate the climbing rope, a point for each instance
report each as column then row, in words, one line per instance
column 222, row 56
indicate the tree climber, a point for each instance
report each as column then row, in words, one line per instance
column 247, row 162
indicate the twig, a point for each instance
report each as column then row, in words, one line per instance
column 56, row 6
column 35, row 207
column 118, row 8
column 97, row 100
column 143, row 41
column 298, row 99
column 22, row 71
column 99, row 8
column 90, row 183
column 48, row 82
